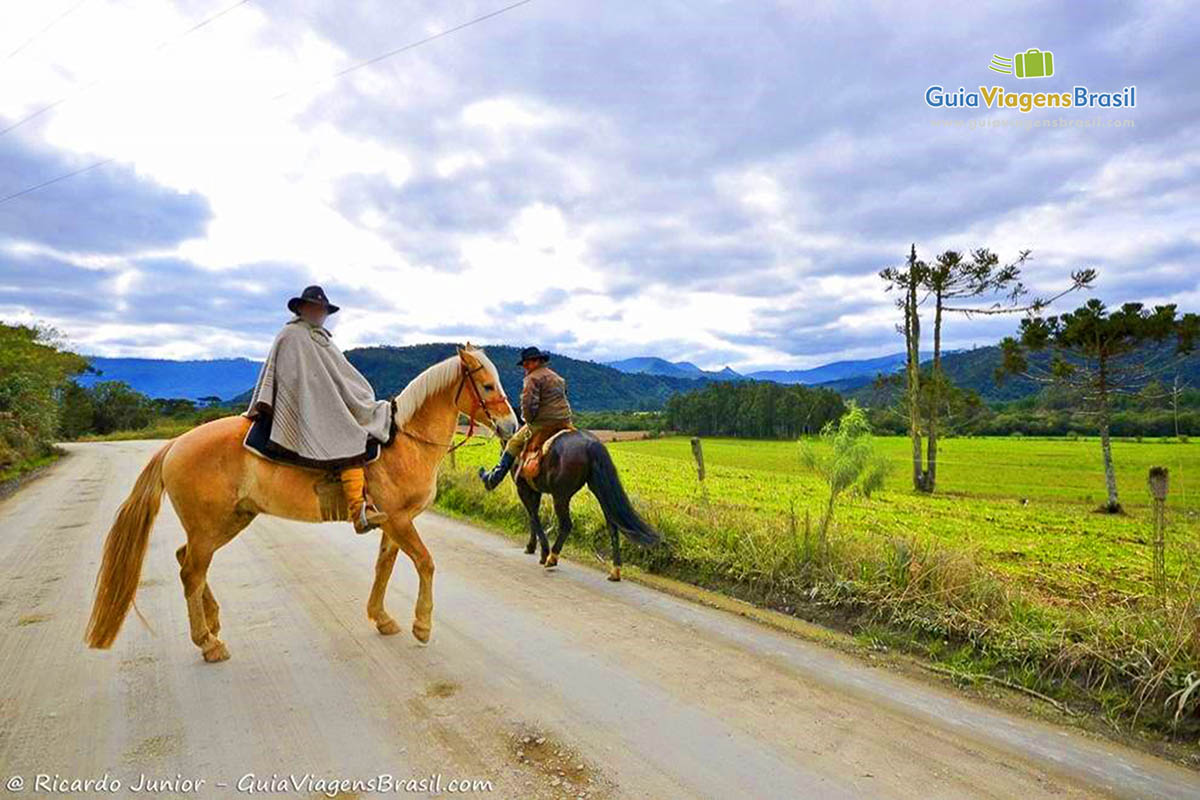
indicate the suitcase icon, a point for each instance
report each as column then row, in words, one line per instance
column 1034, row 63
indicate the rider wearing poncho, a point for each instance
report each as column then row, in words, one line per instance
column 322, row 409
column 544, row 408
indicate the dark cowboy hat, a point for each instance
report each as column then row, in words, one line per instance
column 312, row 294
column 533, row 352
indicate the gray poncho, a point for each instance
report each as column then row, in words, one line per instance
column 322, row 408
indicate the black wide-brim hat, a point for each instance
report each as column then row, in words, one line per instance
column 312, row 294
column 532, row 352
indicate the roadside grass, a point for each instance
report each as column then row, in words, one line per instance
column 21, row 468
column 1044, row 595
column 165, row 428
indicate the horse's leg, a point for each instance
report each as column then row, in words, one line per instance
column 532, row 500
column 406, row 537
column 534, row 523
column 614, row 572
column 194, row 559
column 562, row 510
column 212, row 611
column 388, row 548
column 532, row 506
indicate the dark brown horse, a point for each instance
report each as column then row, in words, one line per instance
column 577, row 459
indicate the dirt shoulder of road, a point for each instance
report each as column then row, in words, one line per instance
column 980, row 688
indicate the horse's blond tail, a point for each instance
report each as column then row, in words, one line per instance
column 124, row 551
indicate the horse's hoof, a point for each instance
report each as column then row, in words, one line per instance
column 388, row 627
column 529, row 550
column 542, row 560
column 217, row 651
column 421, row 631
column 551, row 561
column 614, row 574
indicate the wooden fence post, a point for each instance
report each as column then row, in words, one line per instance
column 699, row 456
column 1158, row 482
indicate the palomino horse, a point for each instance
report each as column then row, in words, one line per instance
column 217, row 487
column 577, row 458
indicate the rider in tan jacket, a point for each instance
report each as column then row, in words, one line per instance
column 544, row 408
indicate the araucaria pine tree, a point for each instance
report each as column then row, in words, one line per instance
column 990, row 288
column 1101, row 355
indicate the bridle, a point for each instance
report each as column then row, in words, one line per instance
column 466, row 381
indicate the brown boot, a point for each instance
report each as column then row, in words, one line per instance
column 365, row 517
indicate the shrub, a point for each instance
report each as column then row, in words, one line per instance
column 33, row 371
column 845, row 458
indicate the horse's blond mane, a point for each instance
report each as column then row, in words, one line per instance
column 433, row 380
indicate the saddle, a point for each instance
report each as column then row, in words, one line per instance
column 530, row 462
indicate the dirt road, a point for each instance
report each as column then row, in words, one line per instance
column 546, row 684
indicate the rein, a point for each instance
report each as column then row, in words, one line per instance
column 467, row 380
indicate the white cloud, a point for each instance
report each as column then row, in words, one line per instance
column 673, row 187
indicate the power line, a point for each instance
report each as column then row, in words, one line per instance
column 420, row 42
column 90, row 84
column 48, row 26
column 411, row 45
column 15, row 195
column 335, row 76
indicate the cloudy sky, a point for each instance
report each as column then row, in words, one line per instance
column 711, row 181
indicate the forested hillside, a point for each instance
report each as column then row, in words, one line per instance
column 975, row 370
column 757, row 409
column 591, row 386
column 34, row 369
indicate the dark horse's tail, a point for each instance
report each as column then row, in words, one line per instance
column 605, row 484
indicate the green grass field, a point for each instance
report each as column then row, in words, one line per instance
column 1010, row 467
column 1023, row 507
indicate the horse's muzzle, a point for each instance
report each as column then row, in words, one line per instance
column 505, row 428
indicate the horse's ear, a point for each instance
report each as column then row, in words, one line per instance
column 466, row 356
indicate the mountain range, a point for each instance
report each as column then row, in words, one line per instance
column 631, row 384
column 192, row 380
column 653, row 365
column 835, row 371
column 626, row 385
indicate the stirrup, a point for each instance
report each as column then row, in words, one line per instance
column 368, row 519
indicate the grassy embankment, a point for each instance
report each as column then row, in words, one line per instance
column 161, row 429
column 1007, row 572
column 27, row 466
